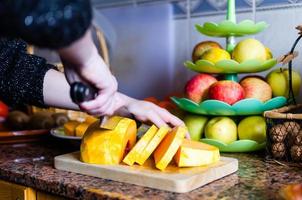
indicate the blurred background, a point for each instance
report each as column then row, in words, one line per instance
column 150, row 39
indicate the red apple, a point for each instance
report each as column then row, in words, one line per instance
column 227, row 91
column 257, row 88
column 196, row 88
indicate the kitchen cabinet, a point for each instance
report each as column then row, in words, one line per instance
column 11, row 191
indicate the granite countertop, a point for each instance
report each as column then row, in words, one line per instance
column 32, row 165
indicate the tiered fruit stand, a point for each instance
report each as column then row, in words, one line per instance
column 230, row 69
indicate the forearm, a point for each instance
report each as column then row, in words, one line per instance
column 56, row 91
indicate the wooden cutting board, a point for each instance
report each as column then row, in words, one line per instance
column 173, row 179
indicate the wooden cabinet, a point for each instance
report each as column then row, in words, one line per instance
column 11, row 191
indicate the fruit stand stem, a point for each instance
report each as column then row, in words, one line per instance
column 231, row 16
column 230, row 41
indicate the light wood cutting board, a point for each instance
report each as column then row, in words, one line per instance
column 173, row 179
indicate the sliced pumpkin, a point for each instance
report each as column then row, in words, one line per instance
column 151, row 146
column 132, row 156
column 69, row 127
column 193, row 153
column 102, row 146
column 168, row 147
column 82, row 127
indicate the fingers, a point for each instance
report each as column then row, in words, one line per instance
column 168, row 117
column 156, row 119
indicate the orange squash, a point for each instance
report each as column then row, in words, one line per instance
column 192, row 153
column 69, row 127
column 151, row 146
column 168, row 147
column 82, row 127
column 135, row 152
column 103, row 146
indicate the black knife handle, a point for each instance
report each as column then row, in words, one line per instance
column 80, row 92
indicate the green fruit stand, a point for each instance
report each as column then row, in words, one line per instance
column 230, row 69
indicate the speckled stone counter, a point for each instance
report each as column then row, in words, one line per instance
column 32, row 165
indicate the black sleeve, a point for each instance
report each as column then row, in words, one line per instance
column 45, row 23
column 21, row 74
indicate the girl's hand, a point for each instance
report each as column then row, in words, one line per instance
column 146, row 111
column 83, row 63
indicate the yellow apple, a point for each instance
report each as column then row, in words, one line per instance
column 279, row 82
column 252, row 128
column 195, row 125
column 249, row 49
column 223, row 129
column 215, row 55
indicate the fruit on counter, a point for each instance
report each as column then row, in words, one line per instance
column 193, row 154
column 60, row 118
column 223, row 129
column 255, row 87
column 41, row 120
column 227, row 91
column 166, row 150
column 269, row 54
column 215, row 55
column 82, row 127
column 279, row 81
column 103, row 146
column 3, row 110
column 196, row 125
column 197, row 87
column 202, row 47
column 69, row 127
column 138, row 148
column 249, row 49
column 17, row 120
column 252, row 128
column 152, row 145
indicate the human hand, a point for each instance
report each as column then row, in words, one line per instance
column 83, row 63
column 146, row 111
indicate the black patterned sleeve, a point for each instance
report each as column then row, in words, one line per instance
column 45, row 23
column 21, row 74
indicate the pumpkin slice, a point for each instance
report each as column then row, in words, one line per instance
column 69, row 127
column 168, row 147
column 102, row 146
column 82, row 127
column 151, row 146
column 132, row 156
column 193, row 153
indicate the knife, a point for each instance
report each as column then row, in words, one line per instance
column 81, row 92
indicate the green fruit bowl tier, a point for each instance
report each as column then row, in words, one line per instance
column 230, row 66
column 228, row 28
column 249, row 106
column 236, row 146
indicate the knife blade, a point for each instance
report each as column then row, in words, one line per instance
column 81, row 92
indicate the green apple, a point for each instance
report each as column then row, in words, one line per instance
column 249, row 49
column 195, row 125
column 279, row 82
column 252, row 128
column 223, row 129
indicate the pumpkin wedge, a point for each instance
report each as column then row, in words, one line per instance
column 69, row 127
column 151, row 146
column 193, row 154
column 132, row 156
column 82, row 127
column 168, row 147
column 102, row 146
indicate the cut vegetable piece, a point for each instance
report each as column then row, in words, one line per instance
column 193, row 153
column 168, row 147
column 151, row 146
column 69, row 127
column 82, row 127
column 132, row 156
column 102, row 146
